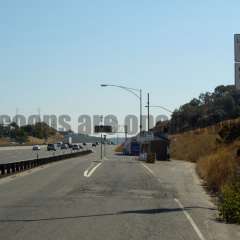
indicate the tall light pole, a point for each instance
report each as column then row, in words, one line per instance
column 148, row 104
column 136, row 92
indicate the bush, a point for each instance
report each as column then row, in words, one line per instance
column 229, row 206
column 217, row 168
column 230, row 132
column 119, row 148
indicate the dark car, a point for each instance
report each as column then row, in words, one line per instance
column 64, row 146
column 51, row 147
column 59, row 144
column 84, row 144
column 93, row 145
column 76, row 147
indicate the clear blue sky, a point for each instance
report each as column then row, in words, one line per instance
column 54, row 54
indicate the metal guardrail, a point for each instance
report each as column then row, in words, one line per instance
column 15, row 167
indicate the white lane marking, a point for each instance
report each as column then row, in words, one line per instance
column 146, row 167
column 85, row 174
column 88, row 173
column 189, row 218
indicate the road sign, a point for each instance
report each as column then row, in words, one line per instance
column 103, row 129
column 237, row 47
column 145, row 136
column 237, row 75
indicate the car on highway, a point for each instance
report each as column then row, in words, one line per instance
column 70, row 145
column 84, row 144
column 93, row 145
column 52, row 147
column 59, row 144
column 76, row 147
column 64, row 146
column 36, row 148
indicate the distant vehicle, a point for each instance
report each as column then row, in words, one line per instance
column 93, row 145
column 36, row 148
column 76, row 147
column 59, row 144
column 84, row 144
column 64, row 146
column 97, row 143
column 70, row 145
column 133, row 149
column 68, row 140
column 51, row 147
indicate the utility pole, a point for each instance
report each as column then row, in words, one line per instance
column 125, row 130
column 101, row 117
column 101, row 148
column 105, row 137
column 148, row 113
column 16, row 117
column 140, row 111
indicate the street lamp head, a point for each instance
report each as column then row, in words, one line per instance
column 104, row 85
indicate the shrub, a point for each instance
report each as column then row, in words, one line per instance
column 217, row 168
column 229, row 206
column 230, row 132
column 119, row 148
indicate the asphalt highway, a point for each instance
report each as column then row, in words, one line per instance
column 16, row 154
column 117, row 198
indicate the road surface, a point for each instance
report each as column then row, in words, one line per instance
column 17, row 154
column 118, row 198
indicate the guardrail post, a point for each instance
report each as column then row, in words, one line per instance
column 8, row 169
column 13, row 167
column 2, row 168
column 17, row 167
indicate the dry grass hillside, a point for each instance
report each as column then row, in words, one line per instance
column 214, row 149
column 33, row 140
column 4, row 141
column 53, row 139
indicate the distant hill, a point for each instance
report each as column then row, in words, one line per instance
column 116, row 140
column 39, row 133
column 79, row 138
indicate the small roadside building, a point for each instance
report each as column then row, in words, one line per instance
column 157, row 146
column 150, row 145
column 155, row 143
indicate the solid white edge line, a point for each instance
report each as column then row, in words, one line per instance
column 146, row 167
column 189, row 218
column 89, row 174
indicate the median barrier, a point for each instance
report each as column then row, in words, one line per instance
column 15, row 167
